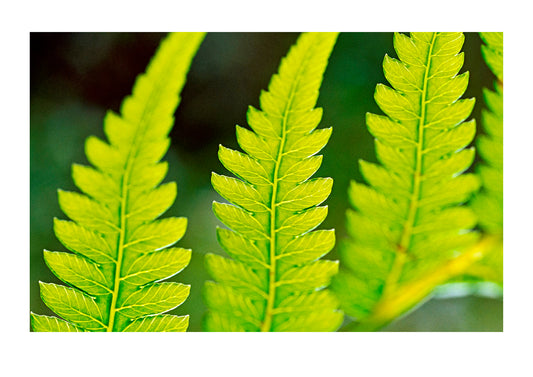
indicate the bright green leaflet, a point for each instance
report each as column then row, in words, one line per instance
column 408, row 221
column 275, row 280
column 488, row 204
column 493, row 52
column 119, row 248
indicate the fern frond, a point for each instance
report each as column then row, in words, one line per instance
column 274, row 280
column 118, row 255
column 493, row 52
column 488, row 203
column 409, row 220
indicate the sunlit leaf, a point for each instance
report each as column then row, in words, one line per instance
column 410, row 217
column 118, row 245
column 275, row 282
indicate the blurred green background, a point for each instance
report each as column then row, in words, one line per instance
column 76, row 77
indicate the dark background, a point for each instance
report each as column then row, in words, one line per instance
column 76, row 77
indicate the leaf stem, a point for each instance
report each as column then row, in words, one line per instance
column 266, row 325
column 121, row 243
column 406, row 296
column 144, row 121
column 407, row 232
column 269, row 312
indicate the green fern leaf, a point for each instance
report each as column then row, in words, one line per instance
column 117, row 260
column 275, row 281
column 409, row 220
column 488, row 204
column 52, row 324
column 493, row 52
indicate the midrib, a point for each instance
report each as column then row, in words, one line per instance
column 132, row 154
column 266, row 325
column 407, row 232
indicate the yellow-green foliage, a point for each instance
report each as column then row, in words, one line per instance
column 274, row 280
column 409, row 219
column 119, row 252
column 488, row 204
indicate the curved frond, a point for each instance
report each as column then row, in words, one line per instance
column 493, row 52
column 409, row 219
column 274, row 280
column 488, row 204
column 118, row 245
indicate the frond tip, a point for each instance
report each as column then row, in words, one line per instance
column 275, row 280
column 119, row 249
